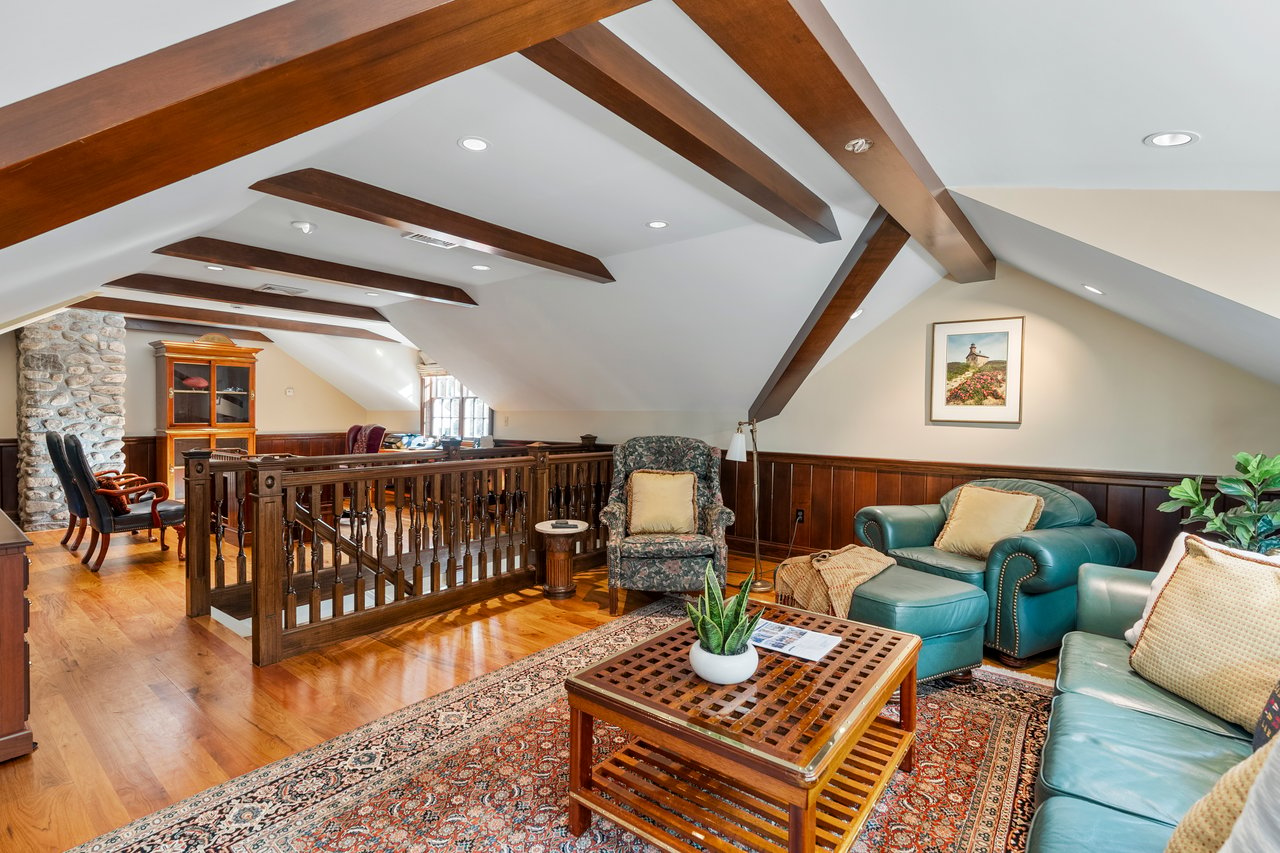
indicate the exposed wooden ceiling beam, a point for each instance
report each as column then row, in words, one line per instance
column 152, row 283
column 146, row 123
column 164, row 327
column 877, row 246
column 224, row 253
column 796, row 53
column 405, row 213
column 224, row 318
column 608, row 71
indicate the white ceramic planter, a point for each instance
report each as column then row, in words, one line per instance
column 723, row 669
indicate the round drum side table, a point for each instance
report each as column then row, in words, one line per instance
column 560, row 557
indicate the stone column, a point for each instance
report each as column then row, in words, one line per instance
column 71, row 376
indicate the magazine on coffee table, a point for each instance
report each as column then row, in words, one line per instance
column 810, row 645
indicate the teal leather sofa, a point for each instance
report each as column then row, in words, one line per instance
column 1030, row 578
column 1124, row 759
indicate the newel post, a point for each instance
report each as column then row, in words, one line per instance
column 268, row 561
column 199, row 479
column 539, row 509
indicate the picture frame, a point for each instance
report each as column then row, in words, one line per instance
column 976, row 371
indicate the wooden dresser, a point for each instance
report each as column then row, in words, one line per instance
column 15, row 654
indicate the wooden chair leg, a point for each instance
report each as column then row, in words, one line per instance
column 84, row 523
column 93, row 543
column 102, row 553
column 182, row 540
column 613, row 601
column 164, row 546
column 71, row 528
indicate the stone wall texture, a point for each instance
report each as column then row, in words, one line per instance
column 71, row 378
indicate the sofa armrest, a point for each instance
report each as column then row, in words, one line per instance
column 887, row 527
column 716, row 518
column 1110, row 599
column 1040, row 561
column 614, row 517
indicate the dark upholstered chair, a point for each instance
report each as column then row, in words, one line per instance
column 373, row 437
column 666, row 562
column 79, row 515
column 1029, row 578
column 147, row 514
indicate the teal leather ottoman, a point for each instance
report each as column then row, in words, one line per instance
column 949, row 615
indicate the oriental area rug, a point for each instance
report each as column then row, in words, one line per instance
column 484, row 767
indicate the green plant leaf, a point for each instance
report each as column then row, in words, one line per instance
column 734, row 613
column 1235, row 487
column 1268, row 468
column 1171, row 506
column 1188, row 490
column 711, row 594
column 1246, row 462
column 713, row 640
column 736, row 643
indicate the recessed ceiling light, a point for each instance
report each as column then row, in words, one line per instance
column 856, row 314
column 214, row 268
column 481, row 267
column 657, row 223
column 1092, row 289
column 860, row 145
column 303, row 226
column 372, row 293
column 1171, row 138
column 473, row 143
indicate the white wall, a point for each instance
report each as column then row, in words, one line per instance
column 614, row 427
column 1099, row 391
column 315, row 406
column 8, row 385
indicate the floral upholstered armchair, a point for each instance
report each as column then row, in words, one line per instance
column 665, row 562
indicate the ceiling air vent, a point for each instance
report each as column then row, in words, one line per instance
column 438, row 242
column 282, row 289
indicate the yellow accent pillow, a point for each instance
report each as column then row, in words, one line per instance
column 663, row 502
column 1213, row 637
column 981, row 517
column 1207, row 824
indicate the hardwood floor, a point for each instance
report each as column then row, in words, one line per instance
column 135, row 706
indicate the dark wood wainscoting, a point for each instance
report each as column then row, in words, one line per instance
column 9, row 477
column 140, row 456
column 830, row 489
column 303, row 443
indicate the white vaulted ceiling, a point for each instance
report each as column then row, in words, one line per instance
column 1032, row 113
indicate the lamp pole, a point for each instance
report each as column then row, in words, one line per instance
column 760, row 584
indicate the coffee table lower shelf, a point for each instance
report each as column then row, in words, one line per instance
column 690, row 808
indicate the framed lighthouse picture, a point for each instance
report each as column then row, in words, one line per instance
column 976, row 371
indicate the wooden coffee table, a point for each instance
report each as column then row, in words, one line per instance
column 792, row 760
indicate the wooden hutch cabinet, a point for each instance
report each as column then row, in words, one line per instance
column 206, row 400
column 15, row 654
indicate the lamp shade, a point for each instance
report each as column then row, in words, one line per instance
column 737, row 451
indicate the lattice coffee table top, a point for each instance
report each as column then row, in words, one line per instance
column 789, row 713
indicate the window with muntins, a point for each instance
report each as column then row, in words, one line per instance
column 449, row 408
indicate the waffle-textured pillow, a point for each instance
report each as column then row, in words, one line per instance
column 981, row 517
column 662, row 502
column 1207, row 824
column 1258, row 826
column 1213, row 637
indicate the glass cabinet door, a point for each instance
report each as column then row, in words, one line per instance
column 233, row 395
column 190, row 388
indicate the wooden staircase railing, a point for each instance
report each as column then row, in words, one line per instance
column 315, row 550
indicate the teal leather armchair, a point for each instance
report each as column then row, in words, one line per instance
column 1029, row 578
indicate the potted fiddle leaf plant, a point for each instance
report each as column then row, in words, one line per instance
column 723, row 653
column 1251, row 525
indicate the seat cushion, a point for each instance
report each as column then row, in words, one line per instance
column 668, row 545
column 935, row 561
column 1130, row 761
column 918, row 603
column 1098, row 666
column 1068, row 825
column 1210, row 821
column 139, row 515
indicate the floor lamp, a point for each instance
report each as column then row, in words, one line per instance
column 737, row 452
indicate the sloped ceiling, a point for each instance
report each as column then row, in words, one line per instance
column 1004, row 98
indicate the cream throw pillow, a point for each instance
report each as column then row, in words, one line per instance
column 981, row 517
column 1258, row 827
column 663, row 502
column 1208, row 824
column 1213, row 636
column 1176, row 552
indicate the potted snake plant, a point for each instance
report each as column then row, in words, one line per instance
column 723, row 653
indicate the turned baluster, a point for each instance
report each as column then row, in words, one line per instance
column 481, row 501
column 359, row 535
column 509, row 514
column 465, row 506
column 317, row 555
column 290, row 533
column 240, row 484
column 339, row 592
column 219, row 530
column 398, row 505
column 451, row 508
column 417, row 516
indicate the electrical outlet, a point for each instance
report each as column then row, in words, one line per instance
column 799, row 516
